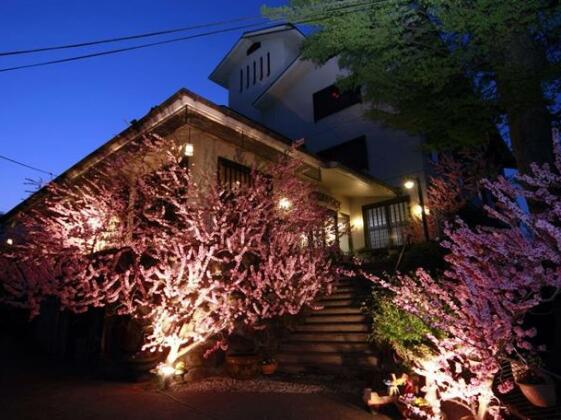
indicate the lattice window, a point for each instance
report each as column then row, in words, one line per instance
column 231, row 174
column 386, row 224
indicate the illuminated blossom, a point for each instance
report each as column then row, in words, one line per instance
column 494, row 277
column 196, row 260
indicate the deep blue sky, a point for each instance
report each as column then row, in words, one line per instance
column 53, row 116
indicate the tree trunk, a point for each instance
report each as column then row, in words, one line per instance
column 521, row 93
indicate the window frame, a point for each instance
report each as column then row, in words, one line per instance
column 322, row 108
column 390, row 227
column 234, row 169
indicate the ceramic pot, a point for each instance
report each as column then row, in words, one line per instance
column 269, row 368
column 540, row 395
column 242, row 366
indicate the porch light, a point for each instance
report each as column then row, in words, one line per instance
column 357, row 222
column 284, row 203
column 409, row 184
column 188, row 149
column 418, row 210
column 9, row 241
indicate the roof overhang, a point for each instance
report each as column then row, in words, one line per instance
column 346, row 182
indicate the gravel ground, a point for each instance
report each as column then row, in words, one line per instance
column 278, row 384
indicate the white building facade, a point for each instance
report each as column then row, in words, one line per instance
column 269, row 82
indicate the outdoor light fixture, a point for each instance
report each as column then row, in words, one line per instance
column 284, row 203
column 9, row 241
column 409, row 184
column 188, row 149
column 166, row 370
column 357, row 222
column 418, row 211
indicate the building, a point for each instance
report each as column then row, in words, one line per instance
column 224, row 144
column 228, row 144
column 269, row 82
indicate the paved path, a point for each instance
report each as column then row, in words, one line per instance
column 38, row 389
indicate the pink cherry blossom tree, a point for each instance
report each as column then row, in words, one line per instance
column 494, row 277
column 195, row 259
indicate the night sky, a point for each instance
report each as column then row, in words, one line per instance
column 52, row 116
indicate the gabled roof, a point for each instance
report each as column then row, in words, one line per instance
column 174, row 108
column 220, row 73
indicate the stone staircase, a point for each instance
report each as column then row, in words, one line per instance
column 333, row 339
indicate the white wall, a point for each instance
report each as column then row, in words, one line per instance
column 392, row 155
column 287, row 108
column 281, row 56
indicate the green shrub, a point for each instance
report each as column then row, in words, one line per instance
column 405, row 333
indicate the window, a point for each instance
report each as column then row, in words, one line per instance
column 254, row 72
column 260, row 68
column 352, row 153
column 247, row 76
column 231, row 173
column 254, row 47
column 241, row 80
column 331, row 100
column 268, row 64
column 386, row 223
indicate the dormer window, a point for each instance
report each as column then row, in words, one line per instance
column 241, row 80
column 254, row 47
column 268, row 64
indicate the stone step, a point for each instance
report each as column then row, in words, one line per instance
column 320, row 318
column 334, row 327
column 319, row 358
column 340, row 302
column 333, row 337
column 338, row 296
column 323, row 346
column 346, row 289
column 339, row 309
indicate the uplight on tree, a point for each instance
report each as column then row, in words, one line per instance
column 284, row 203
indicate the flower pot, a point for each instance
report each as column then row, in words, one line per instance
column 269, row 368
column 376, row 401
column 242, row 366
column 540, row 394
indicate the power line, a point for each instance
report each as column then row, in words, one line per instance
column 120, row 50
column 27, row 166
column 173, row 40
column 156, row 33
column 129, row 37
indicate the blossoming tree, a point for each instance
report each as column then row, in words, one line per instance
column 494, row 277
column 194, row 258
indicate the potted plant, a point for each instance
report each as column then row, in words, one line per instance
column 242, row 361
column 267, row 342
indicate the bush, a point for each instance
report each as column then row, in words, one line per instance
column 404, row 332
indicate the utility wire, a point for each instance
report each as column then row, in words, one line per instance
column 129, row 37
column 173, row 40
column 27, row 166
column 153, row 34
